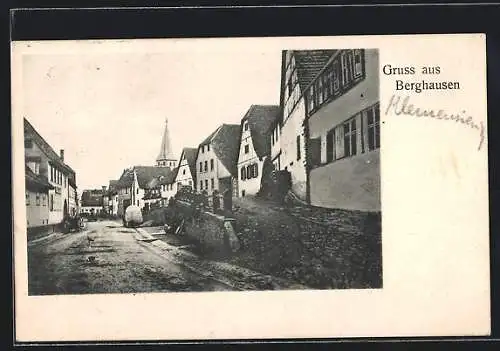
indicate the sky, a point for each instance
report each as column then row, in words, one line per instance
column 107, row 109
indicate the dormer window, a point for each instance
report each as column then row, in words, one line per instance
column 245, row 126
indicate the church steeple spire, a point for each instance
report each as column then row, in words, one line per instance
column 166, row 156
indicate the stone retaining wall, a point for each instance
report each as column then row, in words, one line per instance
column 212, row 231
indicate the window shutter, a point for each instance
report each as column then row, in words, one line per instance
column 339, row 141
column 314, row 151
column 256, row 170
column 330, row 146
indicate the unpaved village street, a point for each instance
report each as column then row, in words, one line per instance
column 116, row 261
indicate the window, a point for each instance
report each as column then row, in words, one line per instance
column 256, row 170
column 137, row 191
column 350, row 138
column 206, row 166
column 27, row 198
column 243, row 173
column 211, row 164
column 206, row 183
column 201, row 184
column 298, row 147
column 183, row 171
column 51, row 202
column 358, row 63
column 202, row 148
column 340, row 75
column 201, row 166
column 247, row 149
column 28, row 143
column 208, row 147
column 38, row 199
column 245, row 126
column 330, row 146
column 212, row 183
column 44, row 199
column 37, row 168
column 373, row 128
column 190, row 183
column 137, row 203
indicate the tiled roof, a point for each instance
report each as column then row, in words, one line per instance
column 260, row 118
column 168, row 179
column 36, row 182
column 309, row 64
column 225, row 142
column 92, row 197
column 126, row 179
column 31, row 133
column 146, row 173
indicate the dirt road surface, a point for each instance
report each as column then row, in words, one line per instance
column 112, row 261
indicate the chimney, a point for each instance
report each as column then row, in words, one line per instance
column 62, row 154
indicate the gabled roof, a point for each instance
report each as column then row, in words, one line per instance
column 36, row 182
column 113, row 187
column 309, row 64
column 126, row 179
column 168, row 179
column 190, row 154
column 147, row 173
column 260, row 120
column 225, row 142
column 92, row 197
column 31, row 133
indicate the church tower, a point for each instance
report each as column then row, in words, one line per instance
column 166, row 157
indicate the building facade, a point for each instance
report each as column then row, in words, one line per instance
column 43, row 161
column 343, row 120
column 186, row 172
column 92, row 202
column 255, row 146
column 216, row 160
column 37, row 194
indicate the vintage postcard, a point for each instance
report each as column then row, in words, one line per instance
column 256, row 188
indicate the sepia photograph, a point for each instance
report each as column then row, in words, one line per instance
column 250, row 188
column 186, row 171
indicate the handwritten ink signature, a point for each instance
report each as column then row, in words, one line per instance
column 402, row 106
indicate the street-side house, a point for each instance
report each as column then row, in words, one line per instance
column 37, row 194
column 73, row 202
column 186, row 173
column 255, row 146
column 216, row 160
column 124, row 189
column 43, row 161
column 152, row 194
column 168, row 186
column 142, row 176
column 92, row 201
column 343, row 123
column 113, row 197
column 298, row 69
